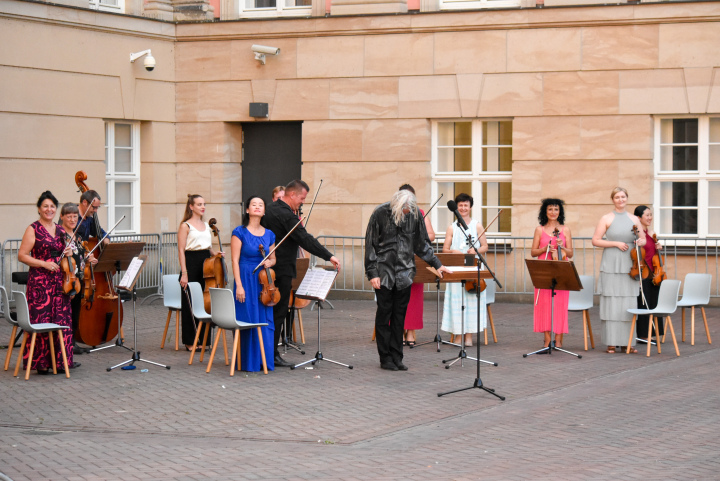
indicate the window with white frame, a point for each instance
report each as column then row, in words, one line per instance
column 122, row 175
column 275, row 8
column 473, row 4
column 117, row 6
column 473, row 157
column 687, row 176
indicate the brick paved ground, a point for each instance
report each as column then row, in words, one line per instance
column 604, row 416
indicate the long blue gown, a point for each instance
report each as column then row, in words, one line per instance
column 252, row 310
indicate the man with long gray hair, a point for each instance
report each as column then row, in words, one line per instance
column 395, row 233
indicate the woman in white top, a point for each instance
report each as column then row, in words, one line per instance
column 194, row 246
column 455, row 294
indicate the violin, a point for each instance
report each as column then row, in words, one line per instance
column 71, row 284
column 214, row 269
column 101, row 315
column 659, row 273
column 471, row 286
column 270, row 294
column 556, row 234
column 639, row 269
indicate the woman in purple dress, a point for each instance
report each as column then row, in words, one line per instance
column 41, row 248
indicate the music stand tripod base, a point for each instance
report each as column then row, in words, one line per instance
column 319, row 355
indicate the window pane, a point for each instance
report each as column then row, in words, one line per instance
column 679, row 194
column 127, row 223
column 123, row 193
column 122, row 135
column 297, row 3
column 679, row 221
column 123, row 161
column 497, row 195
column 684, row 131
column 454, row 133
column 497, row 133
column 455, row 160
column 260, row 4
column 713, row 221
column 449, row 191
column 714, row 157
column 679, row 158
column 497, row 159
column 715, row 130
column 714, row 194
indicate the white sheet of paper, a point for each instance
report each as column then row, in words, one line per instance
column 131, row 273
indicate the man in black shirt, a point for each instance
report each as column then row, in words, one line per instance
column 280, row 217
column 395, row 234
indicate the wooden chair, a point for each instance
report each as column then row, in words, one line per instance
column 696, row 293
column 583, row 301
column 32, row 330
column 667, row 305
column 223, row 316
column 172, row 299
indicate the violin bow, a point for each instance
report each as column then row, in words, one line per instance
column 105, row 236
column 278, row 244
column 639, row 261
column 431, row 207
column 77, row 227
column 313, row 203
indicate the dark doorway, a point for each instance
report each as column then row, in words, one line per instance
column 272, row 156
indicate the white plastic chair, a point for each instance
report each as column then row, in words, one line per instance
column 23, row 319
column 582, row 300
column 490, row 299
column 223, row 315
column 696, row 293
column 202, row 317
column 172, row 299
column 11, row 318
column 667, row 305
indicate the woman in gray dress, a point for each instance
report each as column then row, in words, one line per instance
column 618, row 291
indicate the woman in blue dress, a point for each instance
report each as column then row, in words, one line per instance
column 245, row 250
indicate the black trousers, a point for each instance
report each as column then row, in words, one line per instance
column 282, row 308
column 390, row 322
column 194, row 265
column 643, row 322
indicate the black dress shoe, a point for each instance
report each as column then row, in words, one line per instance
column 390, row 366
column 401, row 366
column 280, row 362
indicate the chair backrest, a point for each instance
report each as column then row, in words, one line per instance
column 223, row 308
column 667, row 297
column 5, row 304
column 198, row 303
column 696, row 290
column 490, row 292
column 23, row 312
column 582, row 299
column 172, row 291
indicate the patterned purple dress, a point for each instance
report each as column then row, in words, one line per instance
column 46, row 300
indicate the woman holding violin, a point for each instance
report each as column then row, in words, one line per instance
column 248, row 246
column 551, row 235
column 455, row 294
column 653, row 264
column 42, row 246
column 194, row 246
column 618, row 291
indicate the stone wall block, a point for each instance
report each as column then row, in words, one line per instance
column 626, row 47
column 511, row 94
column 469, row 87
column 325, row 141
column 200, row 142
column 686, row 45
column 714, row 100
column 330, row 57
column 526, row 181
column 470, row 52
column 396, row 140
column 617, row 137
column 544, row 138
column 158, row 182
column 302, row 100
column 226, row 183
column 243, row 65
column 195, row 61
column 432, row 96
column 364, row 98
column 154, row 100
column 224, row 101
column 545, row 49
column 697, row 83
column 193, row 178
column 187, row 100
column 387, row 55
column 157, row 142
column 653, row 92
column 580, row 93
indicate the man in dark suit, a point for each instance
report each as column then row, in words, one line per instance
column 280, row 217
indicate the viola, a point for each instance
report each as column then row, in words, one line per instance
column 659, row 273
column 639, row 269
column 214, row 269
column 101, row 314
column 270, row 294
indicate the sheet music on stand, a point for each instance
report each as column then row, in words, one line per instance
column 317, row 284
column 132, row 273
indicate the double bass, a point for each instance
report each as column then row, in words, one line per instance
column 214, row 269
column 101, row 313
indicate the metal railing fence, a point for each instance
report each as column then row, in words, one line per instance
column 505, row 256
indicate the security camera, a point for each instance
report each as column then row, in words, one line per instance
column 149, row 62
column 261, row 50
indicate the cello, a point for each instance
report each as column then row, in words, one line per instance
column 101, row 313
column 214, row 269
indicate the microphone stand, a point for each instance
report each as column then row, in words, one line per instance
column 477, row 384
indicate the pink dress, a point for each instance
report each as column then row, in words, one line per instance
column 543, row 306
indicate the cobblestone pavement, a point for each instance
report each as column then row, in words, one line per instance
column 603, row 416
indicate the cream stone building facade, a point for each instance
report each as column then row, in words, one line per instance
column 511, row 104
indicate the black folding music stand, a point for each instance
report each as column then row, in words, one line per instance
column 117, row 256
column 552, row 275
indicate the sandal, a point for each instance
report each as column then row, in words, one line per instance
column 410, row 343
column 610, row 350
column 632, row 351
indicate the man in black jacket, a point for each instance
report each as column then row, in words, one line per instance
column 395, row 233
column 280, row 218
